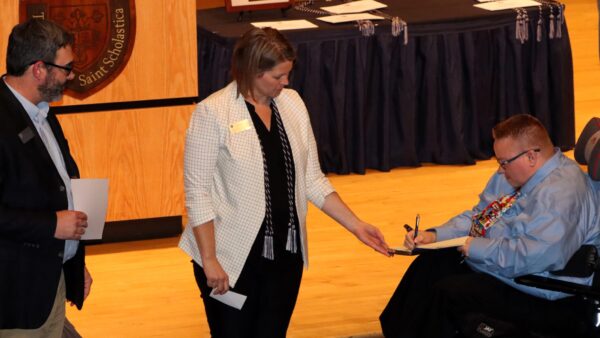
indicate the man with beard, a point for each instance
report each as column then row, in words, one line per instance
column 42, row 262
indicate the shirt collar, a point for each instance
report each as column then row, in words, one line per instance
column 38, row 112
column 544, row 171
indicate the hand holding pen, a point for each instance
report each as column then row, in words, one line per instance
column 417, row 237
column 409, row 239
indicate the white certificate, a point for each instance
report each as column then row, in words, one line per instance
column 354, row 7
column 90, row 195
column 286, row 25
column 506, row 4
column 230, row 298
column 349, row 17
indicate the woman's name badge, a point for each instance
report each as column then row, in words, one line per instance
column 239, row 126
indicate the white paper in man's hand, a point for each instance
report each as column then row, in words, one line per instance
column 90, row 195
column 230, row 298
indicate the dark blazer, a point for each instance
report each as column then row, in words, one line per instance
column 31, row 191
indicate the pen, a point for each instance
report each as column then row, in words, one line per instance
column 417, row 225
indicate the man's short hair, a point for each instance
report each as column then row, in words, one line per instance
column 34, row 40
column 257, row 51
column 525, row 129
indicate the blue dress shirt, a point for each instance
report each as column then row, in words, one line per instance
column 556, row 213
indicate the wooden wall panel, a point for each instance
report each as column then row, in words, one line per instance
column 163, row 63
column 140, row 151
column 164, row 59
column 202, row 4
column 9, row 16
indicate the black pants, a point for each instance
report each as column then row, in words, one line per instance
column 439, row 292
column 272, row 289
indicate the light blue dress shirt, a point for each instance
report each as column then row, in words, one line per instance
column 38, row 114
column 556, row 213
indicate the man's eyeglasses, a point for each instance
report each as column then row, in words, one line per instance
column 504, row 163
column 68, row 68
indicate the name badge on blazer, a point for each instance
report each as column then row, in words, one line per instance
column 26, row 135
column 239, row 126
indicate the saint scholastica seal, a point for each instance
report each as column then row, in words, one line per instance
column 104, row 33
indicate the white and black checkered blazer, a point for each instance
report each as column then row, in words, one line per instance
column 224, row 175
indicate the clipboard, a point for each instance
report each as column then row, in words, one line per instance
column 449, row 243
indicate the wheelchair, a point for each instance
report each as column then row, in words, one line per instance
column 584, row 263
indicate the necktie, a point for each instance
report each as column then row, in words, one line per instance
column 483, row 220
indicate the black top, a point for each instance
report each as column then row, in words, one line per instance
column 271, row 145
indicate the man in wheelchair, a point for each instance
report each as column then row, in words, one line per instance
column 535, row 213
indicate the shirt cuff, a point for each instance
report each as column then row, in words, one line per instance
column 442, row 234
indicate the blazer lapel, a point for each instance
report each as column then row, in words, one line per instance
column 238, row 110
column 23, row 122
column 245, row 143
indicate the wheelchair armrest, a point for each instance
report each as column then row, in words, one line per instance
column 583, row 263
column 558, row 285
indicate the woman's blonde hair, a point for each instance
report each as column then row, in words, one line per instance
column 257, row 51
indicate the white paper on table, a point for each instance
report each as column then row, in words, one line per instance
column 90, row 195
column 230, row 298
column 286, row 25
column 506, row 4
column 349, row 17
column 354, row 7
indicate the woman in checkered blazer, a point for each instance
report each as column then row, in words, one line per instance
column 251, row 166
